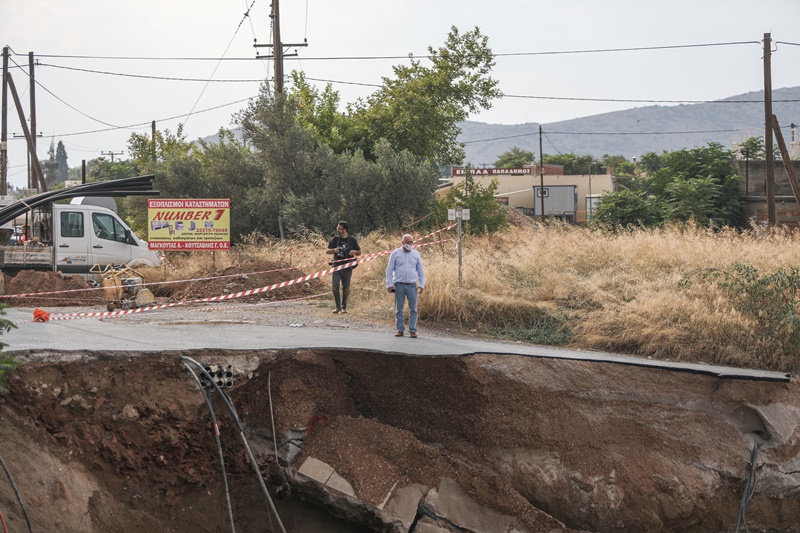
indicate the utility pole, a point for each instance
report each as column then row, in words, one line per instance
column 277, row 47
column 28, row 137
column 4, row 134
column 112, row 154
column 32, row 86
column 772, row 217
column 541, row 171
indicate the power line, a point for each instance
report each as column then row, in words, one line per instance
column 64, row 102
column 533, row 133
column 342, row 82
column 407, row 56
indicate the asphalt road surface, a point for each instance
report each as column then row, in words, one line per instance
column 184, row 329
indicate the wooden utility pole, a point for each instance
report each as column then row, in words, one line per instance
column 4, row 133
column 277, row 47
column 33, row 149
column 37, row 168
column 541, row 171
column 787, row 161
column 772, row 217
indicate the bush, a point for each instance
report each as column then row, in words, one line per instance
column 770, row 300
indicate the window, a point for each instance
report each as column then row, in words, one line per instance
column 108, row 227
column 71, row 224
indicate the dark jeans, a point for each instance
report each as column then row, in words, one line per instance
column 342, row 277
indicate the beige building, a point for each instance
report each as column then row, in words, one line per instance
column 570, row 196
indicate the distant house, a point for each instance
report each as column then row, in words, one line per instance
column 569, row 196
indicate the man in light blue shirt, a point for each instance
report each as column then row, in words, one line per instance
column 405, row 278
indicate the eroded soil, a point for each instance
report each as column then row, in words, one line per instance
column 103, row 442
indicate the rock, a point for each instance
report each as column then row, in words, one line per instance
column 129, row 412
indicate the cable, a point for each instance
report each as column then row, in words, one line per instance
column 16, row 492
column 66, row 104
column 235, row 33
column 749, row 488
column 423, row 56
column 3, row 520
column 271, row 413
column 219, row 443
column 143, row 76
column 235, row 415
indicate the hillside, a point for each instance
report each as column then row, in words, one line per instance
column 724, row 121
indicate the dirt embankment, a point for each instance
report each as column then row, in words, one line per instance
column 99, row 442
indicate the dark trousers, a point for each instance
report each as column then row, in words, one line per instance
column 342, row 277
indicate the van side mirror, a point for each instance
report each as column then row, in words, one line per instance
column 129, row 237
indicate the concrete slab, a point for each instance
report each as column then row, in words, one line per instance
column 452, row 504
column 339, row 483
column 404, row 502
column 316, row 470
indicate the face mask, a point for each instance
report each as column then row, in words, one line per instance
column 408, row 247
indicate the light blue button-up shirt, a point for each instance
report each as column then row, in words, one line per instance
column 405, row 267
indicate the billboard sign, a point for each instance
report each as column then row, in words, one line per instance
column 189, row 224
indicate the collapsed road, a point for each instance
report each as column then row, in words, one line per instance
column 105, row 430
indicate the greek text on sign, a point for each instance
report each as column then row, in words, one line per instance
column 189, row 224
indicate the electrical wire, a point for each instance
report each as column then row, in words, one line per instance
column 236, row 419
column 422, row 56
column 219, row 443
column 67, row 104
column 16, row 493
column 235, row 33
column 749, row 488
column 3, row 520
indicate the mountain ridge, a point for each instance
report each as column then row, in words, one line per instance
column 636, row 131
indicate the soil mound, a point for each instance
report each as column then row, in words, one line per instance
column 246, row 276
column 59, row 290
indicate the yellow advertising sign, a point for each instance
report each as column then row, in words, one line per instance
column 188, row 224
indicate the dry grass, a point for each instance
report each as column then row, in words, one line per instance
column 640, row 292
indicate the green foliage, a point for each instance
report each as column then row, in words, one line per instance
column 311, row 186
column 753, row 148
column 486, row 214
column 7, row 362
column 576, row 164
column 226, row 169
column 620, row 164
column 544, row 329
column 771, row 300
column 61, row 161
column 145, row 153
column 418, row 110
column 514, row 158
column 624, row 208
column 698, row 184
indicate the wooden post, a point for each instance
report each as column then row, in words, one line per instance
column 787, row 161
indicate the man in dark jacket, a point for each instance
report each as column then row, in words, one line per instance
column 344, row 248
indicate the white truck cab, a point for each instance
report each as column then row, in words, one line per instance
column 72, row 239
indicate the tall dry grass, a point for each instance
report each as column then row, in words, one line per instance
column 639, row 292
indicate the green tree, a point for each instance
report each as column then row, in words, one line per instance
column 753, row 148
column 146, row 153
column 624, row 208
column 514, row 158
column 61, row 160
column 50, row 165
column 698, row 184
column 486, row 214
column 575, row 164
column 419, row 110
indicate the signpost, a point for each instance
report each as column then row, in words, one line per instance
column 458, row 214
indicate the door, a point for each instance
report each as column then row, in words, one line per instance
column 110, row 245
column 71, row 243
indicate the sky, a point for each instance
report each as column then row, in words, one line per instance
column 102, row 65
